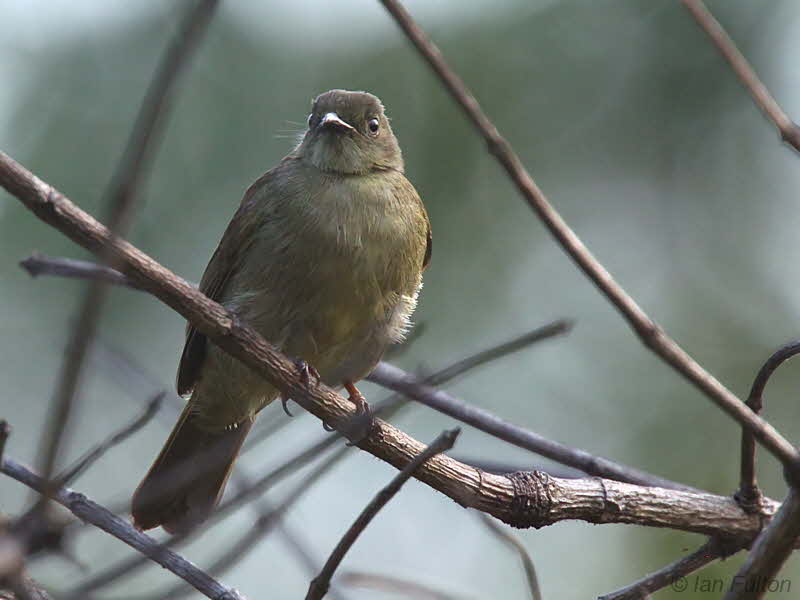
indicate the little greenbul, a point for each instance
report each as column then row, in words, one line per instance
column 324, row 258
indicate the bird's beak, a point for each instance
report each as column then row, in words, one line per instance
column 331, row 119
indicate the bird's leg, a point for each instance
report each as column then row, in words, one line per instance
column 361, row 423
column 306, row 373
column 357, row 398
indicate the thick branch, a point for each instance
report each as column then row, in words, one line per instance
column 649, row 332
column 522, row 500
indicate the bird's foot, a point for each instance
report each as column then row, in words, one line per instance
column 360, row 424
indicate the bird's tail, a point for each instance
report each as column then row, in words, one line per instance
column 187, row 479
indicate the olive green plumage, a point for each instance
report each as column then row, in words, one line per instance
column 324, row 258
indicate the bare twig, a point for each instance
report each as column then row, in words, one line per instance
column 120, row 196
column 769, row 553
column 84, row 508
column 515, row 543
column 83, row 463
column 523, row 500
column 409, row 589
column 749, row 495
column 38, row 264
column 396, row 379
column 651, row 335
column 709, row 552
column 319, row 585
column 789, row 131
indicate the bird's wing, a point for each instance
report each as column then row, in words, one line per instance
column 227, row 259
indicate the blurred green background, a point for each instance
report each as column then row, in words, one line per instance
column 622, row 111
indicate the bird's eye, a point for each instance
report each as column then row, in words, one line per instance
column 373, row 125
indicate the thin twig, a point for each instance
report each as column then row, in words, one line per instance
column 749, row 496
column 789, row 131
column 770, row 551
column 651, row 335
column 38, row 264
column 712, row 550
column 88, row 510
column 515, row 543
column 319, row 585
column 71, row 473
column 121, row 196
column 398, row 380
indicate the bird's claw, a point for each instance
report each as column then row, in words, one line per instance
column 285, row 404
column 306, row 372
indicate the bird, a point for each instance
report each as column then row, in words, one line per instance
column 324, row 258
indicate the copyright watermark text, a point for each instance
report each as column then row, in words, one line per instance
column 700, row 584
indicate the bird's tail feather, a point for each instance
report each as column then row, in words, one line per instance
column 187, row 479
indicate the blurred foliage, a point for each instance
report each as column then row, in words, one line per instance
column 630, row 122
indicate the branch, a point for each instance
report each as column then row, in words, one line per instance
column 513, row 541
column 520, row 499
column 749, row 496
column 770, row 551
column 87, row 510
column 319, row 585
column 789, row 131
column 675, row 572
column 39, row 264
column 651, row 335
column 398, row 380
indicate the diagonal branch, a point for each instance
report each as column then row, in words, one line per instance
column 520, row 499
column 319, row 585
column 651, row 335
column 790, row 132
